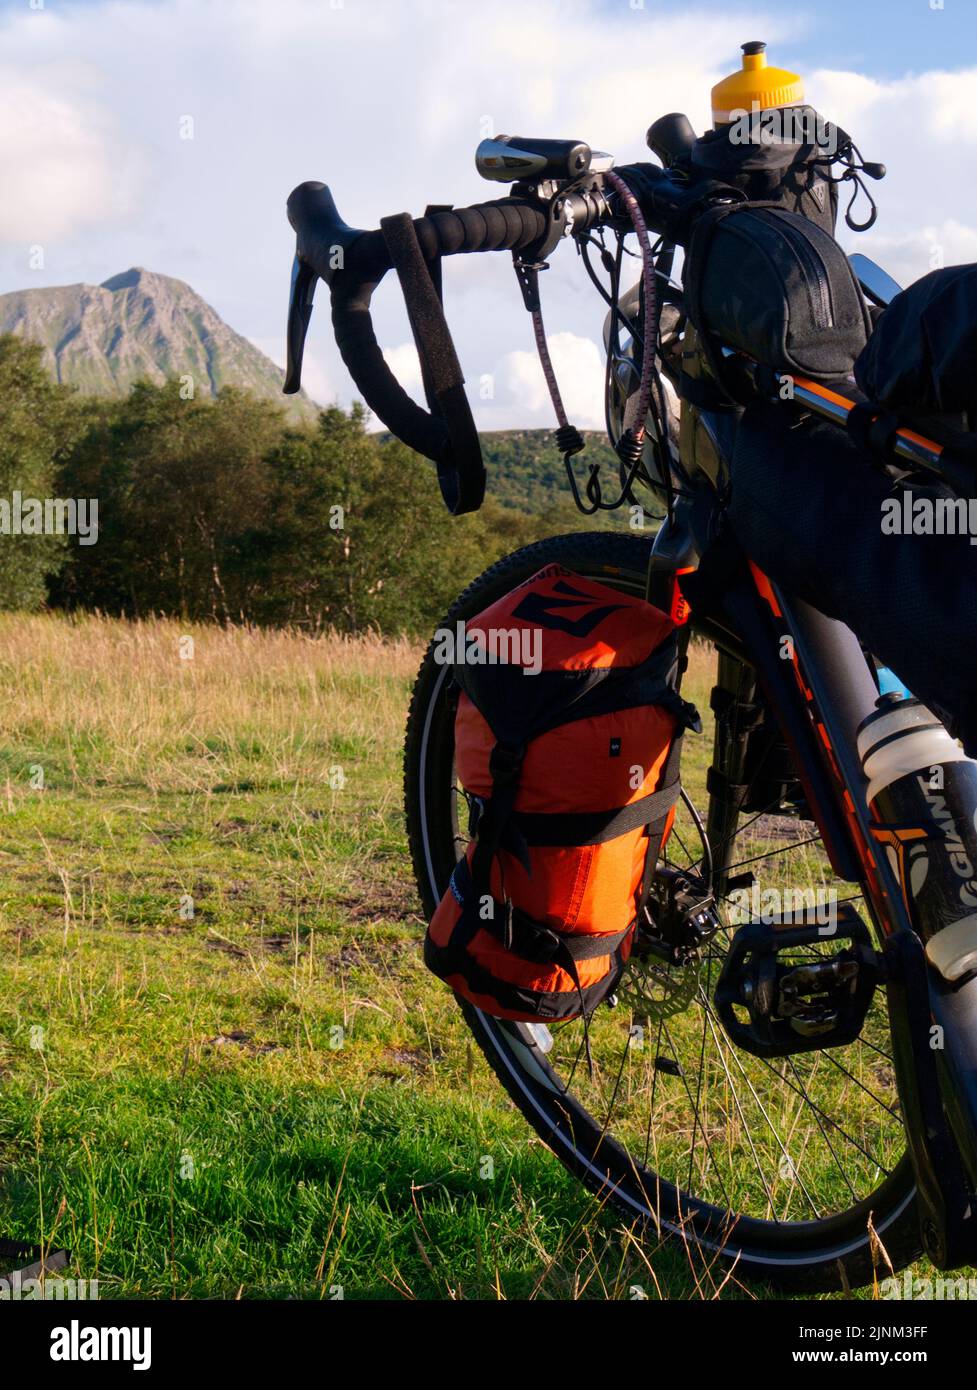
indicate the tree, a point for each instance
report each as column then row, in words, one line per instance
column 361, row 536
column 218, row 509
column 38, row 424
column 184, row 488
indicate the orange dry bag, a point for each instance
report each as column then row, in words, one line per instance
column 567, row 741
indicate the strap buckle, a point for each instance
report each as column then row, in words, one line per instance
column 527, row 273
column 505, row 763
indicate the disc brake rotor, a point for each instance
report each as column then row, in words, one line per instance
column 654, row 989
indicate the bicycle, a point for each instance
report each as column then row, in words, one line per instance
column 808, row 1167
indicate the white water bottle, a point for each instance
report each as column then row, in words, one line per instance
column 922, row 793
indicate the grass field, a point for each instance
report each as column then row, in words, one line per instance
column 223, row 1068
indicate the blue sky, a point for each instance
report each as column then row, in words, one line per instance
column 385, row 100
column 884, row 38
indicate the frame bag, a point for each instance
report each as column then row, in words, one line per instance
column 568, row 751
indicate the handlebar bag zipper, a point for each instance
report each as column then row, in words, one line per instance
column 779, row 288
column 568, row 751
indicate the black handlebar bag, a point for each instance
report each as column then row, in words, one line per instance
column 775, row 286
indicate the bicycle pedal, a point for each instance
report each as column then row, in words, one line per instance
column 776, row 996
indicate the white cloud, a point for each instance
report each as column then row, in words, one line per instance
column 405, row 364
column 62, row 162
column 520, row 395
column 908, row 257
column 924, row 129
column 386, row 102
column 317, row 380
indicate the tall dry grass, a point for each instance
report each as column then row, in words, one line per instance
column 133, row 700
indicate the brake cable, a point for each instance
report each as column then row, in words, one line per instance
column 634, row 445
column 630, row 446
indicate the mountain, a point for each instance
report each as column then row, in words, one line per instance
column 102, row 338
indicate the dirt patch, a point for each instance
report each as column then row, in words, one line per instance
column 18, row 935
column 163, row 834
column 785, row 827
column 389, row 900
column 215, row 943
column 155, row 929
column 373, row 954
column 277, row 944
column 244, row 1041
column 416, row 1061
column 885, row 1076
column 233, row 826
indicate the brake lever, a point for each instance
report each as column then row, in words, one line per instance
column 300, row 299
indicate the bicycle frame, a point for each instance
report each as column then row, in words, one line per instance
column 818, row 683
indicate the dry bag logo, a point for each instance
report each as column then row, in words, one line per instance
column 577, row 614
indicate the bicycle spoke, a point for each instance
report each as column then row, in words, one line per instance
column 824, row 1132
column 861, row 1084
column 781, row 849
column 698, row 1094
column 705, row 1137
column 747, row 1131
column 780, row 1144
column 816, row 1109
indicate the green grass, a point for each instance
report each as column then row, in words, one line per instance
column 224, row 1070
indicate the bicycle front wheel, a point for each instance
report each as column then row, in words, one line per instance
column 793, row 1168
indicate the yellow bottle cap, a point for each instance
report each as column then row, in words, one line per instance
column 755, row 87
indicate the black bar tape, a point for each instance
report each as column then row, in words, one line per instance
column 375, row 381
column 505, row 225
column 461, row 472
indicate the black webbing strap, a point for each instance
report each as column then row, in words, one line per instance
column 461, row 472
column 524, row 936
column 747, row 714
column 434, row 268
column 718, row 784
column 671, row 775
column 872, row 429
column 594, row 827
column 505, row 765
